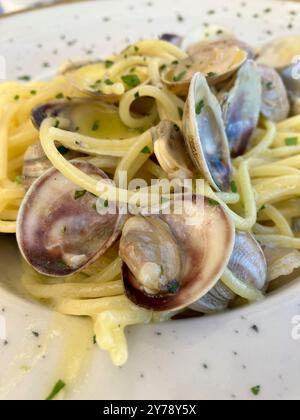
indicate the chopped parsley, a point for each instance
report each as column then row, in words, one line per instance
column 96, row 126
column 94, row 340
column 199, row 107
column 211, row 74
column 256, row 390
column 269, row 85
column 136, row 49
column 108, row 82
column 213, row 202
column 179, row 76
column 79, row 193
column 109, row 64
column 291, row 141
column 56, row 125
column 33, row 92
column 131, row 80
column 173, row 286
column 60, row 95
column 162, row 67
column 137, row 94
column 19, row 179
column 24, row 78
column 62, row 150
column 61, row 264
column 17, row 97
column 146, row 150
column 233, row 187
column 180, row 112
column 59, row 386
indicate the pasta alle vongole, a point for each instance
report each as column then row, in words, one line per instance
column 212, row 110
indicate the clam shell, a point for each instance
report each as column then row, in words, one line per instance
column 241, row 108
column 59, row 230
column 205, row 135
column 248, row 264
column 205, row 242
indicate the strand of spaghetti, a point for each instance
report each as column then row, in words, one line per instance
column 155, row 170
column 4, row 131
column 289, row 123
column 293, row 162
column 101, row 189
column 229, row 198
column 15, row 165
column 240, row 288
column 136, row 157
column 56, row 87
column 11, row 194
column 272, row 171
column 9, row 215
column 259, row 229
column 156, row 48
column 282, row 152
column 150, row 91
column 277, row 189
column 279, row 241
column 109, row 273
column 247, row 193
column 7, row 227
column 279, row 220
column 91, row 145
column 90, row 307
column 282, row 137
column 265, row 143
column 19, row 142
column 69, row 290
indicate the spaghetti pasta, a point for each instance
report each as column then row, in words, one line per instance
column 263, row 201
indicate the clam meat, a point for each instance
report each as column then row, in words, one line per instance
column 171, row 260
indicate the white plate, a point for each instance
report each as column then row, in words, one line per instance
column 220, row 357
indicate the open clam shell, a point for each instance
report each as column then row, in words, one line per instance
column 241, row 107
column 275, row 101
column 217, row 61
column 36, row 162
column 169, row 262
column 170, row 151
column 248, row 264
column 205, row 135
column 59, row 230
column 283, row 54
column 86, row 116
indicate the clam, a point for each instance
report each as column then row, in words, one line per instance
column 283, row 54
column 86, row 77
column 248, row 264
column 241, row 107
column 171, row 152
column 89, row 117
column 205, row 136
column 170, row 262
column 275, row 101
column 172, row 38
column 216, row 60
column 281, row 261
column 210, row 33
column 36, row 162
column 59, row 230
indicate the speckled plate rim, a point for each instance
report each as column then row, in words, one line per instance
column 276, row 299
